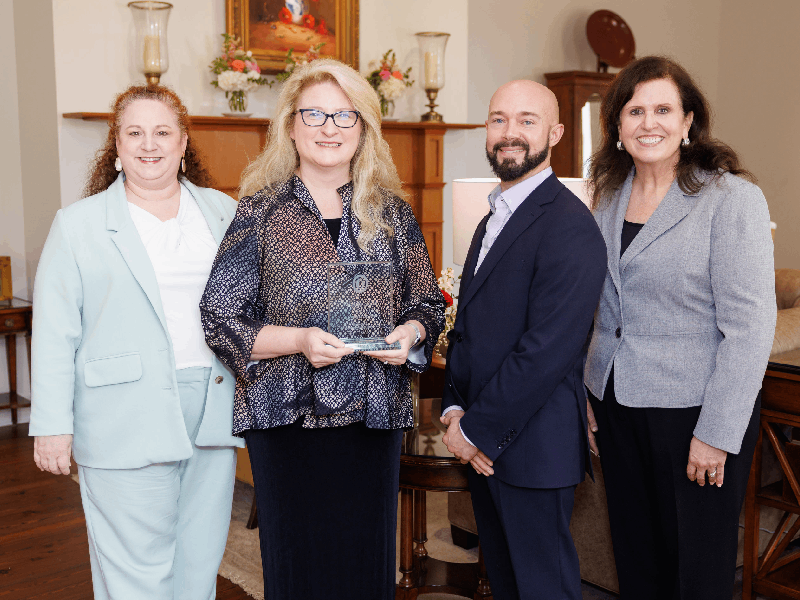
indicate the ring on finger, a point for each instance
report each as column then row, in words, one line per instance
column 712, row 473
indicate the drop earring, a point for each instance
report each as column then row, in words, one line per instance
column 118, row 164
column 183, row 165
column 619, row 145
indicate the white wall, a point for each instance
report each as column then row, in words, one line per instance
column 12, row 233
column 12, row 223
column 758, row 111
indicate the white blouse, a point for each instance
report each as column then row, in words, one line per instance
column 182, row 251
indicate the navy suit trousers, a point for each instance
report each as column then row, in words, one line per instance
column 525, row 538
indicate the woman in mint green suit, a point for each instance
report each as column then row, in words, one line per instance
column 122, row 378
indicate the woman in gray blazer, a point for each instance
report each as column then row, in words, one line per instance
column 122, row 377
column 681, row 335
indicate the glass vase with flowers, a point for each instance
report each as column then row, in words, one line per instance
column 237, row 74
column 387, row 78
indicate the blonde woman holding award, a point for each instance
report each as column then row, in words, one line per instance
column 323, row 423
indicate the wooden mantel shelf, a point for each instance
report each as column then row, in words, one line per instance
column 228, row 144
column 249, row 122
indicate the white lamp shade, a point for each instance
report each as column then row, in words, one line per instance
column 470, row 205
column 579, row 187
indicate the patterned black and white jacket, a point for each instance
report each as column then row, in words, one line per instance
column 271, row 269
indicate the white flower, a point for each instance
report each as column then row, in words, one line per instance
column 253, row 75
column 392, row 88
column 233, row 81
column 249, row 54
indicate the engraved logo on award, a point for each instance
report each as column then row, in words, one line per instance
column 360, row 284
column 360, row 306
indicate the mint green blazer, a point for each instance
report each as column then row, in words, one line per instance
column 102, row 358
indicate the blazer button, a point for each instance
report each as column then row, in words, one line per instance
column 618, row 332
column 218, row 379
column 460, row 338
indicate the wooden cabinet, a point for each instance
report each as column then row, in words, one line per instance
column 573, row 89
column 229, row 144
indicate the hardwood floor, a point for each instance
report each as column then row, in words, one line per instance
column 44, row 552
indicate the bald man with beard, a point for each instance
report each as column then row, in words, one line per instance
column 514, row 402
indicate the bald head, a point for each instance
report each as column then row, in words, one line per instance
column 521, row 128
column 523, row 96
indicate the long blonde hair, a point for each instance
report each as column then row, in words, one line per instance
column 374, row 175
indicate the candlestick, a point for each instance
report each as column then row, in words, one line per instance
column 431, row 46
column 149, row 48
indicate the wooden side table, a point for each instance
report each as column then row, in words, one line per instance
column 776, row 573
column 16, row 316
column 426, row 465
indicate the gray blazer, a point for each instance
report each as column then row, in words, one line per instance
column 687, row 314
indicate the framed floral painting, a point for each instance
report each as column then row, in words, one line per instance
column 270, row 28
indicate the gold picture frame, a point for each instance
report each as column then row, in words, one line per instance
column 259, row 25
column 6, row 291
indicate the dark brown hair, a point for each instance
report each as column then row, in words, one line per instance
column 610, row 166
column 102, row 172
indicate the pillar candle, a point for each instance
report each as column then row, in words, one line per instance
column 152, row 54
column 431, row 71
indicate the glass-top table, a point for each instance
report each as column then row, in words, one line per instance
column 427, row 466
column 15, row 303
column 426, row 438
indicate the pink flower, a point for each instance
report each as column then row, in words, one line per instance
column 385, row 74
column 252, row 66
column 397, row 75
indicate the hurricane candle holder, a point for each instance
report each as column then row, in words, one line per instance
column 150, row 44
column 431, row 53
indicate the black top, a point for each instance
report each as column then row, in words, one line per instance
column 629, row 231
column 334, row 227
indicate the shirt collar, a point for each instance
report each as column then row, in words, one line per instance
column 515, row 195
column 304, row 196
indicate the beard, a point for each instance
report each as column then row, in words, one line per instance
column 509, row 170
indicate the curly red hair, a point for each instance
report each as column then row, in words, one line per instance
column 102, row 172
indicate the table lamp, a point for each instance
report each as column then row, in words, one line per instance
column 471, row 204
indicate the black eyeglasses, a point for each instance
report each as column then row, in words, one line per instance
column 345, row 119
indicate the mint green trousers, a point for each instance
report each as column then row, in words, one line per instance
column 159, row 532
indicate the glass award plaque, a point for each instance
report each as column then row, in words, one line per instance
column 360, row 304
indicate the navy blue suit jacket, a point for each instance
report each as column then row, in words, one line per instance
column 517, row 349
